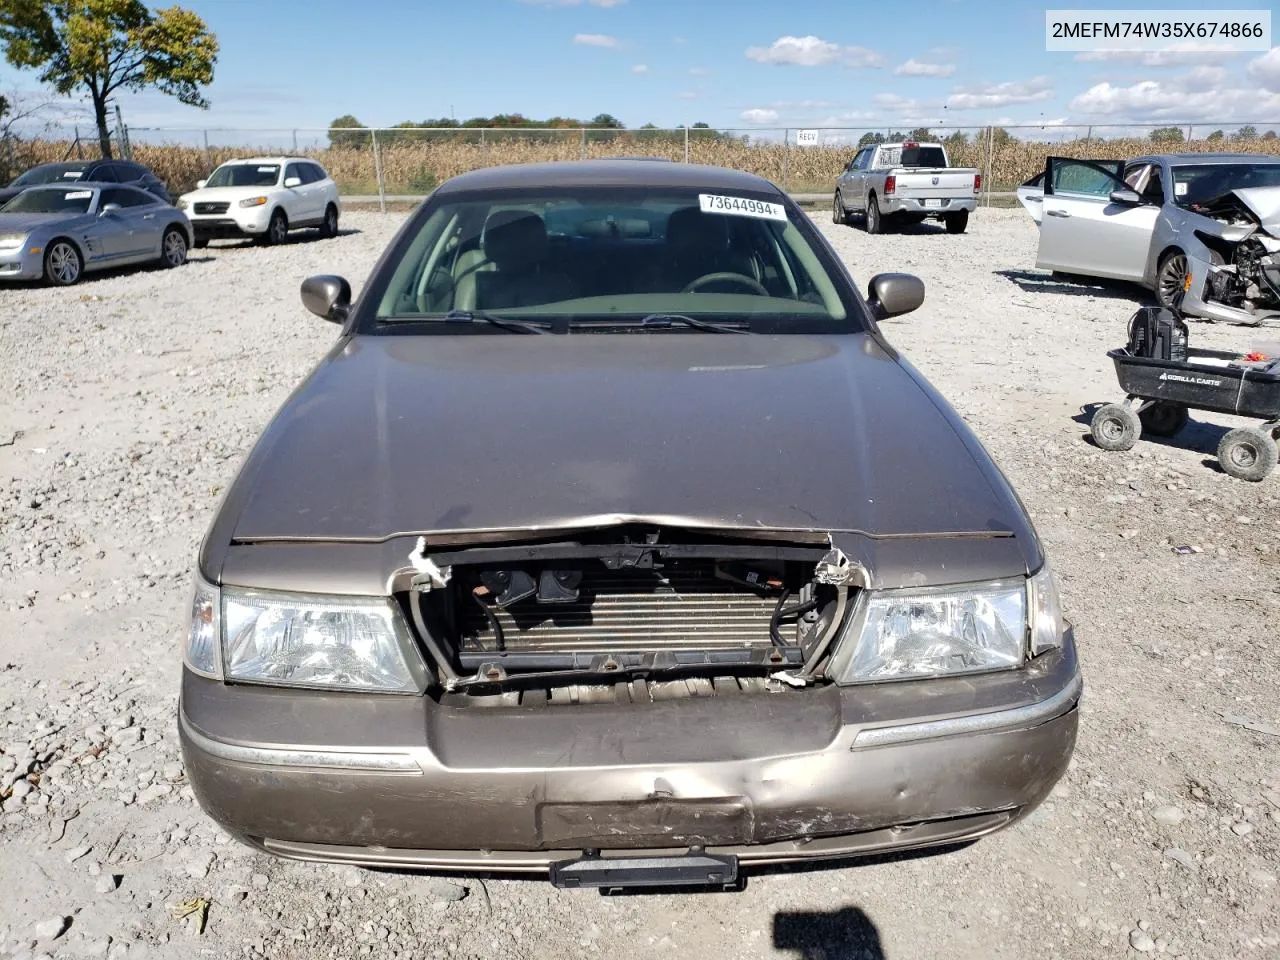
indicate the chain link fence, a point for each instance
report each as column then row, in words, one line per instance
column 399, row 162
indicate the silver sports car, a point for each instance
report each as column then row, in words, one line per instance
column 1203, row 224
column 59, row 232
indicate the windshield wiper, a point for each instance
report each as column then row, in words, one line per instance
column 479, row 316
column 664, row 321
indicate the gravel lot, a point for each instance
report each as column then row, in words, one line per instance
column 129, row 400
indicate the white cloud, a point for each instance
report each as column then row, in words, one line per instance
column 1000, row 94
column 698, row 71
column 917, row 68
column 1265, row 70
column 811, row 51
column 1178, row 55
column 640, row 69
column 760, row 116
column 1196, row 96
column 595, row 39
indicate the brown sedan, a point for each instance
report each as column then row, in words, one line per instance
column 612, row 540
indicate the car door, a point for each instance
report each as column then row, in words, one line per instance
column 109, row 235
column 324, row 188
column 1083, row 230
column 1031, row 196
column 847, row 179
column 297, row 202
column 143, row 212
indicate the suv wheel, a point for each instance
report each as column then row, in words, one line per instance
column 330, row 226
column 277, row 229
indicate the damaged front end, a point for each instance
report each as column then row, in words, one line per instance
column 1241, row 281
column 638, row 613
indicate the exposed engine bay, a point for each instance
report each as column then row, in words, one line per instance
column 1245, row 272
column 702, row 613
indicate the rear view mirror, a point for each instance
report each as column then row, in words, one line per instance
column 893, row 294
column 328, row 297
column 1129, row 198
column 200, row 184
column 293, row 181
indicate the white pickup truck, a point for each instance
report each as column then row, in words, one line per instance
column 905, row 183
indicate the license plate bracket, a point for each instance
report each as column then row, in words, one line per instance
column 682, row 870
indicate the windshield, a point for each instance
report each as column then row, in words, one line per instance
column 50, row 200
column 1195, row 186
column 50, row 173
column 244, row 175
column 594, row 254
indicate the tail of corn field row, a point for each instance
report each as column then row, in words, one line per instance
column 415, row 168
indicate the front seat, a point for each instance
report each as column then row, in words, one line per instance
column 699, row 244
column 515, row 242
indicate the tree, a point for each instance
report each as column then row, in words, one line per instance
column 606, row 120
column 921, row 134
column 957, row 139
column 867, row 139
column 1216, row 136
column 103, row 46
column 1168, row 135
column 1269, row 135
column 347, row 137
column 1247, row 132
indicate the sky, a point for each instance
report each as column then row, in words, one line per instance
column 748, row 64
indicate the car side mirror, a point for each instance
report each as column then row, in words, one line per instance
column 108, row 208
column 893, row 294
column 328, row 297
column 200, row 184
column 1129, row 198
column 293, row 181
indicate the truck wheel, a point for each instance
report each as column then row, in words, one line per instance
column 1164, row 419
column 956, row 222
column 1247, row 453
column 1115, row 427
column 875, row 223
column 839, row 215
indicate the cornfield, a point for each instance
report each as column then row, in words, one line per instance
column 409, row 167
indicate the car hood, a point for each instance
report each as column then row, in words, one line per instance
column 406, row 435
column 1263, row 203
column 29, row 221
column 225, row 194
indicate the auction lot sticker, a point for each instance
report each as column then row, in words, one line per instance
column 741, row 206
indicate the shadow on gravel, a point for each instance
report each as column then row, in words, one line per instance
column 1040, row 281
column 1197, row 435
column 302, row 236
column 845, row 934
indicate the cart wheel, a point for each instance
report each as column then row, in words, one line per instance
column 1115, row 427
column 1164, row 419
column 1247, row 453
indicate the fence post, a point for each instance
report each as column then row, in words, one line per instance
column 377, row 170
column 1188, row 133
column 206, row 148
column 584, row 143
column 295, row 141
column 991, row 149
column 786, row 157
column 686, row 143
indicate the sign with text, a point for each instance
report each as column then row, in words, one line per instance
column 807, row 138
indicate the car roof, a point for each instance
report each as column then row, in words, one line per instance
column 77, row 185
column 607, row 173
column 278, row 159
column 1193, row 159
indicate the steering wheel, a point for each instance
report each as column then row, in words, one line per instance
column 741, row 279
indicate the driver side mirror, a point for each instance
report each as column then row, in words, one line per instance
column 893, row 294
column 1129, row 198
column 328, row 297
column 108, row 208
column 200, row 184
column 293, row 181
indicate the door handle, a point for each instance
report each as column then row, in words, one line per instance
column 1035, row 199
column 148, row 216
column 1057, row 213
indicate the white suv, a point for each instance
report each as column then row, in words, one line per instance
column 263, row 197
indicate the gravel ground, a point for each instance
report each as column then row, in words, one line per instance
column 129, row 401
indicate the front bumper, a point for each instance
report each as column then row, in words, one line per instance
column 1195, row 304
column 801, row 775
column 223, row 226
column 22, row 264
column 925, row 207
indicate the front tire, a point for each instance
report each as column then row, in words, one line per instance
column 1247, row 453
column 875, row 222
column 173, row 248
column 329, row 228
column 957, row 222
column 277, row 229
column 1115, row 427
column 1171, row 278
column 63, row 264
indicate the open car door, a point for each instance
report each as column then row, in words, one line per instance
column 1031, row 196
column 1083, row 230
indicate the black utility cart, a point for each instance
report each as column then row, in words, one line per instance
column 1161, row 391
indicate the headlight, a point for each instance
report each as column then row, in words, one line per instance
column 299, row 640
column 253, row 202
column 1046, row 612
column 905, row 634
column 12, row 241
column 182, row 203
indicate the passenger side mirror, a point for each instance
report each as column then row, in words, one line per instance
column 328, row 297
column 293, row 181
column 108, row 208
column 893, row 294
column 1129, row 198
column 200, row 184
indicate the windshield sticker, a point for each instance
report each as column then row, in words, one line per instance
column 266, row 169
column 741, row 206
column 73, row 175
column 78, row 195
column 1180, row 189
